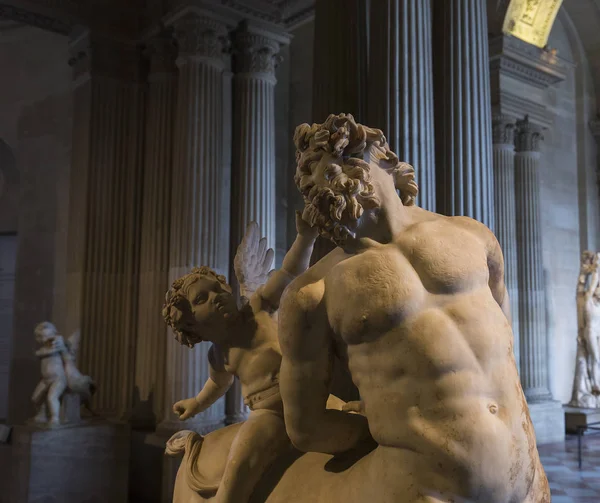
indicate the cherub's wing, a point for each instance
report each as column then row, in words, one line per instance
column 73, row 343
column 253, row 260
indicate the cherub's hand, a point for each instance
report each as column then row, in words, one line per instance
column 186, row 408
column 303, row 229
column 58, row 344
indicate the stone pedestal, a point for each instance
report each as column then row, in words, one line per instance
column 88, row 462
column 576, row 416
column 548, row 421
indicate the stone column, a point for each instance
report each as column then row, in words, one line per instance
column 505, row 217
column 253, row 164
column 400, row 83
column 532, row 317
column 197, row 224
column 104, row 216
column 156, row 209
column 463, row 110
column 339, row 69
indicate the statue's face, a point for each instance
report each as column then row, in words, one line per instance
column 211, row 306
column 335, row 195
column 45, row 332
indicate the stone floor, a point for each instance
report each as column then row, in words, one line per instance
column 568, row 483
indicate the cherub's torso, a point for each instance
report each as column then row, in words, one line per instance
column 258, row 364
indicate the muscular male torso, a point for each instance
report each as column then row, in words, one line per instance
column 431, row 353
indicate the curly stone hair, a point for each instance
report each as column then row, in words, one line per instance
column 345, row 140
column 177, row 311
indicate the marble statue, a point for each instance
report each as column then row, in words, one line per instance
column 60, row 374
column 414, row 304
column 586, row 385
column 201, row 307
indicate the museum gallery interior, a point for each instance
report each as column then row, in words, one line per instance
column 299, row 251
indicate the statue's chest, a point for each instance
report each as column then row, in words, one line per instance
column 370, row 293
column 377, row 291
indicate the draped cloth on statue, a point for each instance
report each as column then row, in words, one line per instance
column 204, row 457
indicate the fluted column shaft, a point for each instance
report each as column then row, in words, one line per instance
column 463, row 110
column 339, row 69
column 505, row 216
column 104, row 226
column 197, row 223
column 532, row 303
column 253, row 182
column 253, row 165
column 156, row 208
column 400, row 84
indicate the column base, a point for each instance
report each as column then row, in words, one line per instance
column 548, row 421
column 70, row 464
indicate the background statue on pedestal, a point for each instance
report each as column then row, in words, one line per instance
column 414, row 304
column 586, row 385
column 60, row 374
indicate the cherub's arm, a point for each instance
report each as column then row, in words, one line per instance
column 305, row 377
column 295, row 262
column 215, row 387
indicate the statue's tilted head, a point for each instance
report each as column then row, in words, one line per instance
column 198, row 305
column 44, row 332
column 334, row 160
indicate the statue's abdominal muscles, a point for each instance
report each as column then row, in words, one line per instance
column 433, row 361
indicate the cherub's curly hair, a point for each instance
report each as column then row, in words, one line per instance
column 341, row 137
column 177, row 311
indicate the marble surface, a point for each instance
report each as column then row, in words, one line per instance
column 568, row 484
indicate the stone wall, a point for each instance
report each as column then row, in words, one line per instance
column 35, row 121
column 568, row 213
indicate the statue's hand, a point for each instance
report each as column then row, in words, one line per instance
column 355, row 407
column 58, row 344
column 304, row 229
column 186, row 408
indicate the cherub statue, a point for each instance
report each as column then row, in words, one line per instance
column 200, row 307
column 59, row 373
column 586, row 385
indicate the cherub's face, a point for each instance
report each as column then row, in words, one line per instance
column 45, row 333
column 211, row 307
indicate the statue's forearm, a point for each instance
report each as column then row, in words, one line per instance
column 333, row 433
column 211, row 392
column 297, row 259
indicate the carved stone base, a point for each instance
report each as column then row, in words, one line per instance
column 576, row 416
column 548, row 422
column 70, row 464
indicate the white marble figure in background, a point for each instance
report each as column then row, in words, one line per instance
column 59, row 373
column 200, row 307
column 586, row 385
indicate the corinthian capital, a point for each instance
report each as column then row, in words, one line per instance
column 528, row 136
column 503, row 129
column 161, row 51
column 200, row 37
column 256, row 54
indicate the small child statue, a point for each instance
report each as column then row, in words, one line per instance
column 59, row 373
